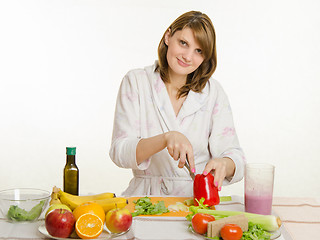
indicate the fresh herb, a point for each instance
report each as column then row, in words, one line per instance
column 19, row 214
column 144, row 206
column 200, row 206
column 255, row 232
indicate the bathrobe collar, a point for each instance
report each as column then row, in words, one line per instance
column 193, row 103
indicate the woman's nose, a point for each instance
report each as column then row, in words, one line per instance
column 187, row 55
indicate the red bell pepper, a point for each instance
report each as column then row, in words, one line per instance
column 203, row 187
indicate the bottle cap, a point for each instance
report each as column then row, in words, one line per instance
column 71, row 151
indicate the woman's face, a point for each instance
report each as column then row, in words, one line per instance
column 184, row 53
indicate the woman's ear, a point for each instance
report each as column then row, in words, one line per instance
column 167, row 36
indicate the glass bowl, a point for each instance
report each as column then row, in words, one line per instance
column 23, row 204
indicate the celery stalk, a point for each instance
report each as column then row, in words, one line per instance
column 267, row 222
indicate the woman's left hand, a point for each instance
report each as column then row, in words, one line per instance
column 222, row 168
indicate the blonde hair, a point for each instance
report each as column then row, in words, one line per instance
column 204, row 33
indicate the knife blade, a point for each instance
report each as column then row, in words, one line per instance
column 187, row 165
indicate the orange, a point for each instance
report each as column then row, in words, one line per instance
column 89, row 207
column 89, row 226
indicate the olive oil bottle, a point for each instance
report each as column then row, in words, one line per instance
column 71, row 173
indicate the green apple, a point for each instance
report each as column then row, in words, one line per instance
column 57, row 206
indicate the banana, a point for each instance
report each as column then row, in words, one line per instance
column 111, row 203
column 54, row 200
column 73, row 201
column 55, row 196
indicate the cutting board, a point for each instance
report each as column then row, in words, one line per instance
column 167, row 202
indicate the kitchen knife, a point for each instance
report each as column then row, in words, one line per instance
column 192, row 175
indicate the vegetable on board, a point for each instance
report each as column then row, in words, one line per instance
column 255, row 231
column 203, row 187
column 231, row 232
column 178, row 206
column 257, row 227
column 144, row 206
column 267, row 222
column 215, row 227
column 200, row 222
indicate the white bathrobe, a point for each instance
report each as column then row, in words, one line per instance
column 144, row 110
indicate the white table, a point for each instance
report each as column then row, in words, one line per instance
column 307, row 226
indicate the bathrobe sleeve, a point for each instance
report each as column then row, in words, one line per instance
column 126, row 129
column 223, row 140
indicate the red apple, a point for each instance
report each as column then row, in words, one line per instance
column 60, row 223
column 118, row 220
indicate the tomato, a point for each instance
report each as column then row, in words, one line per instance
column 231, row 232
column 200, row 222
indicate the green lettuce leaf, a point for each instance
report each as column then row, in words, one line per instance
column 19, row 214
column 144, row 206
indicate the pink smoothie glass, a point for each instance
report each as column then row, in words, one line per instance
column 258, row 188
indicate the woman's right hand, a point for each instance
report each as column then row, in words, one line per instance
column 180, row 148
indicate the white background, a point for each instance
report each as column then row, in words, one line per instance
column 62, row 61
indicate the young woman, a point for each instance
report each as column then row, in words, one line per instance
column 173, row 111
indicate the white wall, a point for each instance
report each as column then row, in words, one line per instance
column 61, row 63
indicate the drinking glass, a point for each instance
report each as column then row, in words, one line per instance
column 259, row 180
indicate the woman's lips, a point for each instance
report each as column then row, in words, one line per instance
column 183, row 64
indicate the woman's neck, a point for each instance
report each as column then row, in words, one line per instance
column 176, row 82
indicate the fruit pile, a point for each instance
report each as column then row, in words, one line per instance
column 84, row 216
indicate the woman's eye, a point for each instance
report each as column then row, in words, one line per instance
column 183, row 43
column 199, row 51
